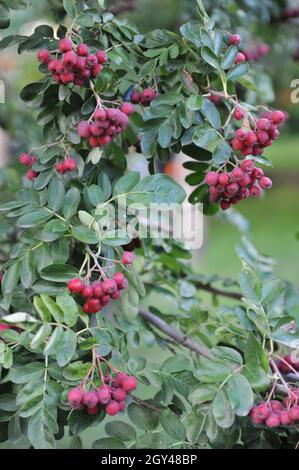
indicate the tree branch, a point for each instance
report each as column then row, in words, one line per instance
column 215, row 291
column 176, row 335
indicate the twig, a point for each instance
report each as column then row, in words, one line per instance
column 176, row 335
column 215, row 291
column 147, row 405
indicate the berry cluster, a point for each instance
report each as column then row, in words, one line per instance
column 106, row 125
column 144, row 97
column 253, row 141
column 256, row 53
column 67, row 165
column 274, row 413
column 98, row 294
column 111, row 394
column 288, row 364
column 76, row 64
column 241, row 183
column 28, row 160
column 290, row 13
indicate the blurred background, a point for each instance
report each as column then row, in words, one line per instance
column 272, row 224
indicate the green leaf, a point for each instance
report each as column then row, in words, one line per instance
column 120, row 430
column 229, row 57
column 116, row 238
column 250, row 284
column 56, row 194
column 172, row 425
column 41, row 309
column 222, row 152
column 222, row 410
column 66, row 348
column 195, row 424
column 238, row 71
column 211, row 113
column 71, row 203
column 202, row 394
column 11, row 278
column 69, row 308
column 157, row 189
column 85, row 235
column 95, row 195
column 54, row 341
column 26, row 373
column 240, row 394
column 59, row 273
column 33, row 219
column 39, row 337
column 206, row 138
column 166, row 98
column 19, row 317
column 55, row 310
column 70, row 7
column 126, row 183
column 27, row 271
column 41, row 428
column 210, row 57
column 194, row 102
column 142, row 417
column 165, row 135
column 212, row 372
column 108, row 443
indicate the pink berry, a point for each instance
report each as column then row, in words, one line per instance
column 104, row 395
column 44, row 56
column 265, row 182
column 119, row 394
column 75, row 396
column 87, row 292
column 96, row 69
column 236, row 175
column 25, row 159
column 240, row 58
column 247, row 166
column 239, row 114
column 257, row 173
column 129, row 384
column 276, row 405
column 255, row 191
column 70, row 164
column 263, row 124
column 118, row 277
column 109, row 286
column 225, row 204
column 65, row 45
column 273, row 421
column 127, row 108
column 84, row 129
column 235, row 39
column 250, row 138
column 278, row 117
column 31, row 175
column 100, row 114
column 93, row 410
column 90, row 399
column 122, row 405
column 70, row 59
column 211, row 178
column 135, row 97
column 97, row 289
column 112, row 408
column 294, row 413
column 75, row 286
column 102, row 57
column 128, row 257
column 285, row 418
column 237, row 144
column 82, row 50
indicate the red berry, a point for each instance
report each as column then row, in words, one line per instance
column 90, row 399
column 127, row 108
column 273, row 421
column 70, row 164
column 91, row 60
column 65, row 45
column 265, row 183
column 52, row 65
column 211, row 178
column 97, row 289
column 121, row 376
column 276, row 405
column 102, row 57
column 93, row 410
column 118, row 277
column 232, row 188
column 294, row 413
column 112, row 408
column 96, row 69
column 109, row 286
column 278, row 117
column 128, row 257
column 135, row 97
column 104, row 395
column 4, row 327
column 236, row 175
column 82, row 50
column 240, row 58
column 105, row 299
column 257, row 173
column 87, row 292
column 92, row 306
column 239, row 114
column 100, row 114
column 255, row 191
column 60, row 168
column 25, row 159
column 129, row 384
column 263, row 124
column 70, row 59
column 285, row 418
column 119, row 394
column 44, row 56
column 75, row 396
column 122, row 405
column 84, row 129
column 250, row 138
column 223, row 179
column 262, row 411
column 225, row 204
column 237, row 144
column 235, row 39
column 31, row 175
column 262, row 137
column 241, row 133
column 75, row 286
